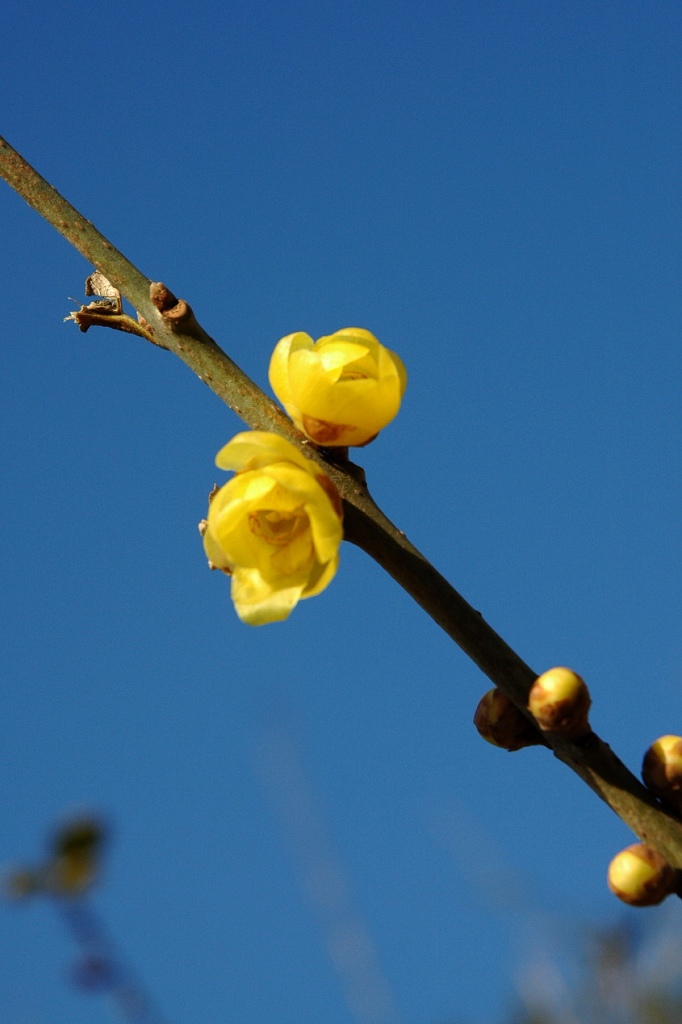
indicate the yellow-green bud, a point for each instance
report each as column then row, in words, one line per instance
column 662, row 770
column 77, row 853
column 559, row 702
column 640, row 876
column 500, row 722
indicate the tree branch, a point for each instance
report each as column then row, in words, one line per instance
column 172, row 325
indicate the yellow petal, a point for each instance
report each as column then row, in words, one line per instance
column 254, row 449
column 229, row 522
column 360, row 407
column 359, row 336
column 300, row 485
column 389, row 362
column 278, row 372
column 257, row 603
column 214, row 552
column 326, row 528
column 337, row 356
column 321, row 577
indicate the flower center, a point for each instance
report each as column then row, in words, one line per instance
column 277, row 528
column 350, row 374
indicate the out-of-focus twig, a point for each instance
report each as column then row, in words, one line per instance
column 66, row 877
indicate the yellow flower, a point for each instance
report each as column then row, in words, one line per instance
column 340, row 390
column 275, row 527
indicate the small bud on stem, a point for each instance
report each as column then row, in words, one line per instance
column 500, row 722
column 641, row 877
column 559, row 702
column 662, row 770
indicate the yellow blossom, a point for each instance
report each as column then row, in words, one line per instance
column 340, row 390
column 275, row 527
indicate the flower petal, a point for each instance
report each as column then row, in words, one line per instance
column 214, row 552
column 278, row 372
column 321, row 578
column 255, row 601
column 254, row 449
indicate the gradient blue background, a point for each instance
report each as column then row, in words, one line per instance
column 493, row 189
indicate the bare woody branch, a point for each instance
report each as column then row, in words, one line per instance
column 171, row 324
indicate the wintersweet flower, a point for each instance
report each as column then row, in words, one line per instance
column 275, row 527
column 339, row 390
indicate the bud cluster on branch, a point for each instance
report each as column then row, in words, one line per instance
column 277, row 525
column 558, row 703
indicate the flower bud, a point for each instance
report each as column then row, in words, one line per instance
column 662, row 770
column 77, row 854
column 559, row 702
column 640, row 876
column 340, row 390
column 500, row 722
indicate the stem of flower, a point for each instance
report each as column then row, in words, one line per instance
column 174, row 326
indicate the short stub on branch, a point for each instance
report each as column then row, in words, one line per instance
column 176, row 313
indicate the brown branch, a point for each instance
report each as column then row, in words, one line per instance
column 174, row 326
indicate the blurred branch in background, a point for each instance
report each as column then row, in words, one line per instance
column 628, row 974
column 66, row 877
column 325, row 881
column 569, row 970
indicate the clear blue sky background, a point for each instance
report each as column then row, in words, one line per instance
column 492, row 188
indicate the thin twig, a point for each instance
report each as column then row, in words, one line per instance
column 173, row 325
column 101, row 967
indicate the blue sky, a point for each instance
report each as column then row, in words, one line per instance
column 493, row 190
